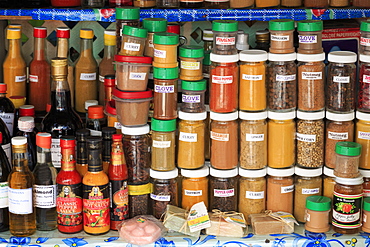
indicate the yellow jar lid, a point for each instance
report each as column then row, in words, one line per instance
column 110, row 37
column 13, row 33
column 86, row 33
column 18, row 101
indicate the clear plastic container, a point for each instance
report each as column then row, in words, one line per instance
column 165, row 50
column 347, row 159
column 193, row 96
column 363, row 137
column 281, row 36
column 191, row 59
column 224, row 37
column 133, row 41
column 310, row 36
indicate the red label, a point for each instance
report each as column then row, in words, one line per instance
column 69, row 205
column 119, row 203
column 96, row 205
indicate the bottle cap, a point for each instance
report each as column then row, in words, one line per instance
column 318, row 203
column 63, row 32
column 13, row 33
column 340, row 116
column 342, row 57
column 281, row 115
column 348, row 148
column 117, row 137
column 311, row 57
column 128, row 13
column 192, row 116
column 365, row 26
column 252, row 115
column 59, row 66
column 135, row 31
column 109, row 81
column 196, row 173
column 349, row 181
column 281, row 172
column 81, row 134
column 132, row 59
column 155, row 25
column 43, row 140
column 262, row 35
column 166, row 73
column 363, row 116
column 164, row 175
column 173, row 28
column 367, row 203
column 94, row 142
column 282, row 57
column 224, row 116
column 40, row 32
column 48, row 107
column 109, row 37
column 1, row 138
column 242, row 42
column 90, row 103
column 68, row 141
column 141, row 130
column 252, row 173
column 26, row 111
column 3, row 88
column 281, row 25
column 19, row 26
column 165, row 38
column 223, row 173
column 191, row 51
column 19, row 140
column 364, row 58
column 26, row 124
column 194, row 85
column 253, row 56
column 308, row 172
column 108, row 132
column 310, row 115
column 18, row 100
column 163, row 125
column 95, row 112
column 310, row 25
column 86, row 33
column 365, row 173
column 225, row 26
column 207, row 35
column 224, row 58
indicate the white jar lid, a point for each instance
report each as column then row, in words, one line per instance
column 340, row 116
column 365, row 173
column 164, row 175
column 342, row 57
column 311, row 57
column 223, row 173
column 365, row 58
column 306, row 172
column 253, row 56
column 349, row 181
column 281, row 172
column 140, row 130
column 224, row 116
column 252, row 115
column 363, row 116
column 224, row 58
column 197, row 173
column 281, row 115
column 208, row 37
column 252, row 173
column 192, row 116
column 329, row 171
column 110, row 32
column 310, row 115
column 19, row 140
column 282, row 57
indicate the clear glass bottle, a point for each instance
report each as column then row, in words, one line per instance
column 263, row 40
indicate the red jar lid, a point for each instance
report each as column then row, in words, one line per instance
column 132, row 95
column 39, row 32
column 26, row 111
column 173, row 28
column 3, row 88
column 132, row 59
column 117, row 137
column 63, row 32
column 110, row 107
column 95, row 112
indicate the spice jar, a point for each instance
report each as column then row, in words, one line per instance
column 310, row 36
column 194, row 187
column 316, row 4
column 363, row 138
column 317, row 214
column 281, row 139
column 164, row 191
column 308, row 182
column 252, row 192
column 129, row 16
column 280, row 189
column 267, row 4
column 224, row 37
column 310, row 139
column 133, row 41
column 163, row 144
column 191, row 3
column 165, row 93
column 363, row 102
column 136, row 146
column 338, row 3
column 341, row 81
column 311, row 82
column 253, row 140
column 144, row 3
column 238, row 4
column 110, row 112
column 224, row 77
column 291, row 3
column 224, row 140
column 191, row 140
column 281, row 36
column 347, row 205
column 366, row 216
column 223, row 189
column 252, row 96
column 193, row 96
column 329, row 182
column 168, row 4
column 366, row 185
column 339, row 127
column 138, row 199
column 154, row 25
column 165, row 50
column 191, row 58
column 347, row 159
column 282, row 82
column 364, row 38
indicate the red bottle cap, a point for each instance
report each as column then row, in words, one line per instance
column 63, row 32
column 117, row 137
column 109, row 81
column 3, row 87
column 39, row 32
column 43, row 140
column 26, row 110
column 48, row 107
column 67, row 142
column 173, row 28
column 95, row 112
column 110, row 107
column 1, row 138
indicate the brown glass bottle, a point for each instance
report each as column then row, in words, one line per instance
column 107, row 134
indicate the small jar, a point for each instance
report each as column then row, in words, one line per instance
column 190, row 152
column 239, row 4
column 144, row 3
column 347, row 205
column 280, row 189
column 363, row 102
column 129, row 16
column 163, row 144
column 310, row 37
column 366, row 216
column 308, row 182
column 168, row 4
column 110, row 111
column 316, row 4
column 154, row 25
column 363, row 138
column 252, row 96
column 164, row 191
column 339, row 128
column 194, row 187
column 139, row 199
column 253, row 140
column 191, row 57
column 224, row 80
column 329, row 182
column 366, row 185
column 310, row 139
column 339, row 3
column 341, row 80
column 364, row 38
column 291, row 3
column 217, row 4
column 281, row 36
column 224, row 140
column 133, row 41
column 165, row 50
column 347, row 159
column 282, row 82
column 317, row 214
column 224, row 37
column 193, row 96
column 207, row 46
column 311, row 82
column 191, row 4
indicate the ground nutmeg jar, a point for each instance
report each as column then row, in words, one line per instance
column 281, row 36
column 363, row 138
column 347, row 159
column 310, row 37
column 317, row 214
column 193, row 96
column 224, row 37
column 191, row 59
column 194, row 187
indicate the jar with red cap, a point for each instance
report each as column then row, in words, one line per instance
column 110, row 112
column 363, row 102
column 96, row 120
column 165, row 50
column 109, row 84
column 27, row 111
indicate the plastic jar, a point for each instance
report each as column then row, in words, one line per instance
column 281, row 139
column 347, row 159
column 133, row 41
column 165, row 50
column 193, row 96
column 366, row 185
column 366, row 216
column 282, row 82
column 252, row 96
column 132, row 72
column 224, row 37
column 224, row 80
column 363, row 138
column 194, row 187
column 311, row 82
column 281, row 36
column 329, row 182
column 347, row 201
column 144, row 3
column 310, row 139
column 139, row 199
column 132, row 107
column 341, row 79
column 310, row 37
column 191, row 140
column 110, row 111
column 224, row 140
column 317, row 214
column 191, row 58
column 363, row 93
column 339, row 128
column 253, row 140
column 364, row 38
column 154, row 25
column 129, row 16
column 223, row 189
column 280, row 189
column 308, row 182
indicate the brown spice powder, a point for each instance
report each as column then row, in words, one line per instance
column 276, row 200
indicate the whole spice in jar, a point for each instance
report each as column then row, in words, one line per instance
column 363, row 102
column 193, row 96
column 191, row 59
column 194, row 187
column 165, row 50
column 133, row 41
column 224, row 37
column 310, row 33
column 138, row 199
column 153, row 25
column 366, row 185
column 129, row 16
column 281, row 36
column 347, row 159
column 366, row 216
column 317, row 214
column 363, row 138
column 365, row 38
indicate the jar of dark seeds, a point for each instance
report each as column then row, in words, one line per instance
column 138, row 199
column 193, row 96
column 347, row 159
column 224, row 37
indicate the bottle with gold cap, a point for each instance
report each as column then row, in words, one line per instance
column 85, row 71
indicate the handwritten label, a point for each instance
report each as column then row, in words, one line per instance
column 219, row 136
column 307, row 39
column 88, row 76
column 137, row 76
column 285, row 77
column 306, row 138
column 164, row 89
column 311, row 75
column 193, row 192
column 279, row 37
column 310, row 191
column 222, row 79
column 161, row 198
column 21, row 78
column 252, row 77
column 254, row 137
column 131, row 46
column 159, row 53
column 341, row 79
column 225, row 40
column 337, row 135
column 223, row 193
column 190, row 65
column 287, row 189
column 190, row 98
column 188, row 137
column 33, row 78
column 255, row 195
column 363, row 135
column 161, row 144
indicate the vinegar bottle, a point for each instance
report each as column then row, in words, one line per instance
column 4, row 173
column 7, row 109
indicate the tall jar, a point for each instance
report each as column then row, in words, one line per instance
column 191, row 58
column 253, row 140
column 365, row 38
column 363, row 93
column 165, row 50
column 281, row 139
column 363, row 138
column 224, row 37
column 347, row 159
column 193, row 96
column 155, row 25
column 129, row 16
column 194, row 187
column 310, row 37
column 329, row 182
column 366, row 185
column 281, row 35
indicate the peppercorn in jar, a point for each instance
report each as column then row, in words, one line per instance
column 224, row 37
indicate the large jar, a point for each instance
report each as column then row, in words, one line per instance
column 281, row 35
column 310, row 36
column 194, row 187
column 363, row 138
column 193, row 96
column 347, row 159
column 191, row 58
column 366, row 185
column 224, row 37
column 365, row 38
column 329, row 182
column 363, row 93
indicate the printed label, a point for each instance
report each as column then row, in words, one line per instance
column 96, row 205
column 223, row 193
column 222, row 79
column 363, row 135
column 20, row 201
column 161, row 198
column 225, row 40
column 4, row 201
column 161, row 144
column 341, row 79
column 347, row 210
column 88, row 76
column 69, row 204
column 21, row 78
column 56, row 155
column 306, row 138
column 137, row 76
column 95, row 132
column 307, row 39
column 45, row 196
column 279, row 37
column 101, row 78
column 285, row 77
column 287, row 189
column 311, row 75
column 337, row 135
column 366, row 78
column 364, row 41
column 198, row 218
column 366, row 193
column 188, row 137
column 254, row 194
column 118, row 200
column 159, row 53
column 164, row 89
column 190, row 98
column 310, row 191
column 8, row 119
column 254, row 137
column 252, row 77
column 8, row 151
column 219, row 136
column 33, row 78
column 190, row 65
column 193, row 192
column 131, row 46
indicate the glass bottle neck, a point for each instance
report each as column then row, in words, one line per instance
column 14, row 48
column 86, row 48
column 60, row 94
column 20, row 157
column 43, row 155
column 68, row 159
column 94, row 160
column 39, row 49
column 62, row 47
column 109, row 51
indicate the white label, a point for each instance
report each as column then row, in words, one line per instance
column 101, row 78
column 222, row 79
column 366, row 193
column 193, row 192
column 311, row 75
column 45, row 196
column 20, row 201
column 363, row 135
column 225, row 40
column 150, row 43
column 285, row 77
column 131, row 46
column 254, row 137
column 254, row 194
column 307, row 39
column 159, row 53
column 279, row 37
column 8, row 119
column 364, row 218
column 252, row 77
column 346, row 218
column 33, row 78
column 306, row 138
column 164, row 89
column 137, row 76
column 190, row 98
column 95, row 132
column 161, row 144
column 310, row 191
column 341, row 79
column 364, row 41
column 337, row 135
column 88, row 76
column 220, row 137
column 4, row 201
column 117, row 125
column 190, row 65
column 223, row 193
column 188, row 137
column 308, row 217
column 287, row 189
column 56, row 155
column 366, row 78
column 161, row 198
column 8, row 151
column 21, row 78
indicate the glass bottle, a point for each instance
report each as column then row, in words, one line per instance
column 7, row 109
column 6, row 140
column 81, row 165
column 96, row 119
column 26, row 126
column 107, row 133
column 92, row 3
column 18, row 101
column 109, row 85
column 5, row 169
column 263, row 40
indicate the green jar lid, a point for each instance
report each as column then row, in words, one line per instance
column 318, row 203
column 207, row 58
column 366, row 204
column 310, row 25
column 155, row 25
column 166, row 38
column 194, row 85
column 191, row 51
column 348, row 148
column 163, row 125
column 365, row 26
column 225, row 26
column 281, row 25
column 166, row 73
column 128, row 13
column 135, row 31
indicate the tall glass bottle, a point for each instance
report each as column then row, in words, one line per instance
column 5, row 144
column 26, row 127
column 107, row 134
column 4, row 173
column 18, row 101
column 81, row 165
column 22, row 217
column 7, row 109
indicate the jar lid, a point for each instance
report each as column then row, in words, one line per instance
column 197, row 173
column 110, row 107
column 43, row 140
column 224, row 58
column 340, row 116
column 155, row 25
column 86, row 33
column 207, row 35
column 366, row 204
column 281, row 115
column 225, row 26
column 135, row 31
column 363, row 116
column 192, row 116
column 166, row 73
column 223, row 173
column 90, row 102
column 342, row 57
column 13, row 33
column 95, row 112
column 281, row 172
column 329, row 171
column 364, row 58
column 140, row 130
column 3, row 87
column 224, row 116
column 365, row 173
column 349, row 181
column 166, row 38
column 253, row 56
column 252, row 115
column 128, row 13
column 164, row 175
column 194, row 85
column 310, row 115
column 163, row 125
column 132, row 95
column 19, row 140
column 39, row 32
column 308, row 172
column 252, row 173
column 311, row 57
column 348, row 148
column 26, row 110
column 191, row 51
column 365, row 26
column 318, row 203
column 281, row 25
column 173, row 28
column 310, row 25
column 282, row 57
column 63, row 32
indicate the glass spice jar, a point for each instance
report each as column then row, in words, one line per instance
column 281, row 36
column 316, row 4
column 194, row 187
column 165, row 50
column 139, row 199
column 366, row 185
column 329, row 182
column 217, row 4
column 253, row 140
column 317, row 214
column 310, row 37
column 366, row 215
column 193, row 96
column 363, row 138
column 224, row 37
column 363, row 93
column 155, row 25
column 129, row 16
column 365, row 38
column 133, row 41
column 339, row 3
column 191, row 57
column 144, row 3
column 347, row 159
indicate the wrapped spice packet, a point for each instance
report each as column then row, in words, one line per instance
column 176, row 219
column 227, row 224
